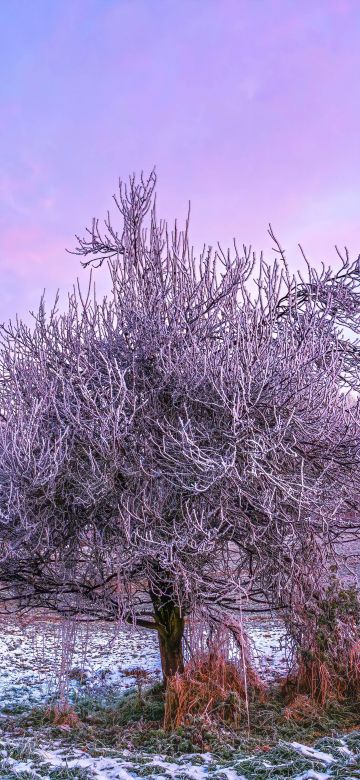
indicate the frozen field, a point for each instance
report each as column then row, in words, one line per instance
column 29, row 663
column 30, row 658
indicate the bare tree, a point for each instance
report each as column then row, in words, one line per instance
column 187, row 443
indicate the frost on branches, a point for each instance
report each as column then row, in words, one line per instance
column 188, row 445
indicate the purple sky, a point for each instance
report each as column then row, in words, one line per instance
column 249, row 108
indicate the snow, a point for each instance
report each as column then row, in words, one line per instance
column 268, row 641
column 309, row 752
column 310, row 774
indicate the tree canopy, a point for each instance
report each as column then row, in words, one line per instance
column 189, row 443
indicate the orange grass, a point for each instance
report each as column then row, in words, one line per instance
column 212, row 689
column 326, row 680
column 62, row 714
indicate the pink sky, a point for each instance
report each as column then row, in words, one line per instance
column 249, row 108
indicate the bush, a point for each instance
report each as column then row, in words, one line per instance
column 327, row 638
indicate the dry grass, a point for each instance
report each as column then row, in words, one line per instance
column 212, row 689
column 63, row 715
column 324, row 681
column 354, row 665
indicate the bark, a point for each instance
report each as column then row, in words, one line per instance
column 170, row 626
column 171, row 651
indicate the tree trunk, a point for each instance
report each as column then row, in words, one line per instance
column 171, row 651
column 170, row 626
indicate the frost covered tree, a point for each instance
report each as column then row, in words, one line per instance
column 190, row 444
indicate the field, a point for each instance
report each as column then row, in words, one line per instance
column 114, row 731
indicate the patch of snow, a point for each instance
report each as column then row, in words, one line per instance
column 344, row 750
column 310, row 774
column 315, row 755
column 268, row 641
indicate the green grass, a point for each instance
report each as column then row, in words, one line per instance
column 125, row 709
column 118, row 722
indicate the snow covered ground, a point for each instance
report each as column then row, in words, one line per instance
column 30, row 657
column 332, row 758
